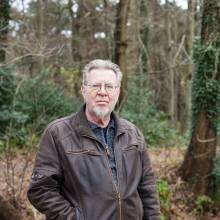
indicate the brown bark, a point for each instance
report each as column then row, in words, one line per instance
column 144, row 32
column 107, row 31
column 75, row 27
column 198, row 162
column 75, row 42
column 121, row 43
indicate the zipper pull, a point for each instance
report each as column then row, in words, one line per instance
column 119, row 199
column 107, row 150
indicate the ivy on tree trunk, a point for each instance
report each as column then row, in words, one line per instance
column 198, row 162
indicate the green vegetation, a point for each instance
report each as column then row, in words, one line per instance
column 29, row 104
column 203, row 204
column 206, row 81
column 153, row 123
column 164, row 196
column 7, row 92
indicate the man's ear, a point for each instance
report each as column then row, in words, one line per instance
column 82, row 90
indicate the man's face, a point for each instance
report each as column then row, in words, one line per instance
column 101, row 92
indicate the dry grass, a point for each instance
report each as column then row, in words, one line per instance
column 165, row 162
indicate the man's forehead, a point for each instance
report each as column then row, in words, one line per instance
column 102, row 75
column 101, row 69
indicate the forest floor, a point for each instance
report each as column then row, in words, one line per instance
column 179, row 202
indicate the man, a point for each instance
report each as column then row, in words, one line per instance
column 93, row 165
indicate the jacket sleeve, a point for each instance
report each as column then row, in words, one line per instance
column 147, row 188
column 44, row 191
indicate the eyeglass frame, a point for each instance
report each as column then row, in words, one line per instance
column 100, row 85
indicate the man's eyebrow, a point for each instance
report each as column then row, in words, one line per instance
column 103, row 82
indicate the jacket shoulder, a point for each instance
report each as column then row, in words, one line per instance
column 63, row 126
column 132, row 130
column 129, row 126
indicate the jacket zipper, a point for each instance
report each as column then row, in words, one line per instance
column 119, row 196
column 107, row 153
column 114, row 184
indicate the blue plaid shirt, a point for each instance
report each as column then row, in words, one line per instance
column 106, row 136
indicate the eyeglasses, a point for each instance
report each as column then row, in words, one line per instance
column 109, row 88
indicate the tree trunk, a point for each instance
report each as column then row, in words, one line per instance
column 186, row 89
column 171, row 73
column 40, row 32
column 190, row 32
column 121, row 44
column 4, row 21
column 75, row 43
column 108, row 41
column 144, row 31
column 198, row 162
column 75, row 27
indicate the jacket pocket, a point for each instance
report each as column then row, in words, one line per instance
column 83, row 152
column 130, row 147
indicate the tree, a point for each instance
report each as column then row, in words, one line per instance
column 170, row 58
column 7, row 211
column 198, row 162
column 186, row 79
column 40, row 30
column 4, row 21
column 75, row 28
column 144, row 37
column 121, row 43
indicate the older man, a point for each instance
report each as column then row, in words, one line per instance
column 93, row 165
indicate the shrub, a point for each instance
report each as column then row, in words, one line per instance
column 203, row 204
column 7, row 90
column 34, row 103
column 42, row 101
column 139, row 110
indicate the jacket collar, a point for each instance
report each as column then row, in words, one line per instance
column 84, row 127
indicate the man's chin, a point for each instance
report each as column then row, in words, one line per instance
column 101, row 112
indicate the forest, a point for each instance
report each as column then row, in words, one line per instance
column 170, row 59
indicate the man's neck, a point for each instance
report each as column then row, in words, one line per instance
column 101, row 122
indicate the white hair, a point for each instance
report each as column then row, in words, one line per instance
column 102, row 64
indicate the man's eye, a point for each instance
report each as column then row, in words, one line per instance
column 96, row 86
column 109, row 86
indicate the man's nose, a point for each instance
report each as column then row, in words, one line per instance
column 102, row 89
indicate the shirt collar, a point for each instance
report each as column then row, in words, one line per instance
column 85, row 129
column 111, row 124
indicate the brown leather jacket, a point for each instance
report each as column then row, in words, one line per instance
column 72, row 178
